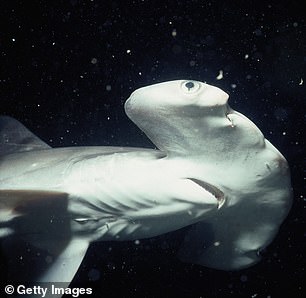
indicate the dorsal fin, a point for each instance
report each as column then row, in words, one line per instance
column 14, row 137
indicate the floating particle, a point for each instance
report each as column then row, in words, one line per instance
column 108, row 87
column 258, row 32
column 233, row 86
column 217, row 243
column 13, row 39
column 140, row 73
column 128, row 51
column 176, row 49
column 94, row 60
column 281, row 114
column 137, row 242
column 220, row 75
column 94, row 274
column 174, row 33
column 301, row 82
column 49, row 259
column 246, row 56
column 243, row 278
column 295, row 24
column 192, row 63
column 284, row 133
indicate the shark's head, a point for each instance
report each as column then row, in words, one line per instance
column 225, row 153
column 175, row 94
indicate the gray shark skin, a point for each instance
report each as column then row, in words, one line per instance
column 213, row 168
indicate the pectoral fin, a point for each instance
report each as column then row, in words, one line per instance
column 37, row 242
column 67, row 263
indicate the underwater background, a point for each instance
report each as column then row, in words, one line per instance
column 66, row 68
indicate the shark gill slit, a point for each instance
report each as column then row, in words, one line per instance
column 216, row 192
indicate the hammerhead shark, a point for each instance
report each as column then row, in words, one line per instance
column 213, row 170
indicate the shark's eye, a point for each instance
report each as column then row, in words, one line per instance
column 190, row 86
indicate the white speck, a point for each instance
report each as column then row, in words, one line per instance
column 108, row 87
column 284, row 133
column 38, row 105
column 53, row 43
column 220, row 75
column 295, row 24
column 34, row 164
column 170, row 23
column 246, row 56
column 192, row 63
column 13, row 39
column 140, row 73
column 108, row 118
column 301, row 82
column 137, row 242
column 189, row 212
column 128, row 51
column 82, row 77
column 217, row 243
column 233, row 86
column 174, row 33
column 94, row 60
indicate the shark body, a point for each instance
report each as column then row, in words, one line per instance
column 213, row 168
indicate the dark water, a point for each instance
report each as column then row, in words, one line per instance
column 67, row 67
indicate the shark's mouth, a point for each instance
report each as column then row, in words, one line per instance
column 215, row 191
